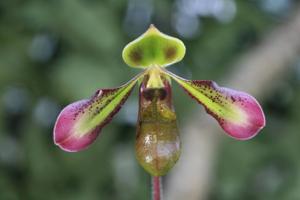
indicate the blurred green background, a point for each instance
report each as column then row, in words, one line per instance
column 55, row 52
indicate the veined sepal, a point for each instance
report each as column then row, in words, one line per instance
column 79, row 123
column 238, row 113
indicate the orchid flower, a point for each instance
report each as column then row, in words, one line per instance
column 157, row 139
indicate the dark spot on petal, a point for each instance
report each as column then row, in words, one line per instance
column 233, row 99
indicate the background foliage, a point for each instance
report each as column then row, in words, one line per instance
column 55, row 52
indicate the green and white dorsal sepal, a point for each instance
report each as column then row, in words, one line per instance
column 153, row 48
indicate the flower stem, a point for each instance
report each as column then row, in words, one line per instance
column 156, row 188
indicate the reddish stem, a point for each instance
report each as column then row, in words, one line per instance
column 156, row 188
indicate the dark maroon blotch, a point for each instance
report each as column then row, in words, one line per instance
column 170, row 52
column 136, row 55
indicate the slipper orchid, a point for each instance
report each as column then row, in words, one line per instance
column 157, row 139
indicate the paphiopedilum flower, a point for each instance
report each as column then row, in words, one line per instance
column 157, row 139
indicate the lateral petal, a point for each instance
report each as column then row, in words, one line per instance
column 238, row 113
column 79, row 123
